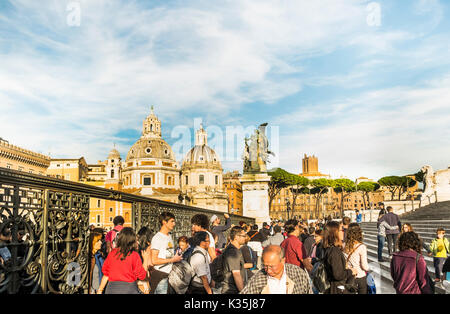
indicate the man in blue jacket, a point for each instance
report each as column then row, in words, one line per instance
column 391, row 235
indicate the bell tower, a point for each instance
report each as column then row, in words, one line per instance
column 151, row 126
column 201, row 137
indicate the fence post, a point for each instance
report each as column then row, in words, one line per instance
column 136, row 213
column 44, row 236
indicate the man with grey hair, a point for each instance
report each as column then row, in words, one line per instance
column 278, row 277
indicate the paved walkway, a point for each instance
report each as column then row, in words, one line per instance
column 383, row 285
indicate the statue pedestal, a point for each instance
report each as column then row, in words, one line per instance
column 255, row 195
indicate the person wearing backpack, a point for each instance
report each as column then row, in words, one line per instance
column 163, row 254
column 232, row 263
column 339, row 276
column 408, row 267
column 250, row 257
column 255, row 243
column 200, row 223
column 199, row 260
column 118, row 222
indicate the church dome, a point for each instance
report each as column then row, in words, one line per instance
column 150, row 144
column 150, row 148
column 201, row 154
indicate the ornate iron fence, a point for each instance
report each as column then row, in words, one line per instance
column 44, row 230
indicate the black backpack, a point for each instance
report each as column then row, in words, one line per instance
column 216, row 268
column 104, row 248
column 319, row 277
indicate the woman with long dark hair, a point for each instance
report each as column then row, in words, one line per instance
column 123, row 267
column 340, row 276
column 144, row 239
column 355, row 252
column 95, row 241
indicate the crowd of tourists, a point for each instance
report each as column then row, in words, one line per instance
column 290, row 257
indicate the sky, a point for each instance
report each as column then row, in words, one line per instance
column 362, row 85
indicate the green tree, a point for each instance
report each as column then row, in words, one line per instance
column 320, row 187
column 407, row 182
column 366, row 188
column 345, row 187
column 279, row 179
column 299, row 185
column 392, row 183
column 396, row 184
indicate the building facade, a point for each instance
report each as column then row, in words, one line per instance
column 17, row 158
column 75, row 170
column 233, row 188
column 289, row 204
column 202, row 176
column 150, row 168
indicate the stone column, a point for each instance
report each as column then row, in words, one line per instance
column 255, row 196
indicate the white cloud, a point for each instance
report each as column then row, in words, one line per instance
column 392, row 131
column 71, row 89
column 89, row 82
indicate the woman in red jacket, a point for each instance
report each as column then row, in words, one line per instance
column 408, row 267
column 123, row 266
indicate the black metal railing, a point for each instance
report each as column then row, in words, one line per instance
column 44, row 230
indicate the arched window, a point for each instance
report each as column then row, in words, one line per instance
column 112, row 173
column 217, row 180
column 201, row 179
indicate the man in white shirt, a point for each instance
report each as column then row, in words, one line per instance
column 163, row 254
column 199, row 260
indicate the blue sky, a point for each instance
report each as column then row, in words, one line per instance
column 369, row 97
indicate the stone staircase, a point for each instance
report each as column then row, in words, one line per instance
column 437, row 211
column 424, row 221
